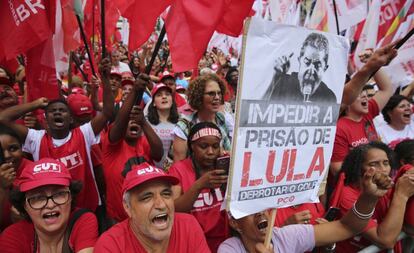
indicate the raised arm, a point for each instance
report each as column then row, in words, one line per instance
column 374, row 185
column 156, row 149
column 117, row 131
column 13, row 113
column 379, row 58
column 101, row 119
column 386, row 233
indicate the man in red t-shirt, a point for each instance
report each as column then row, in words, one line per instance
column 152, row 225
column 130, row 136
column 70, row 146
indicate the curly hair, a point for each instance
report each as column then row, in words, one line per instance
column 393, row 102
column 196, row 89
column 18, row 198
column 353, row 163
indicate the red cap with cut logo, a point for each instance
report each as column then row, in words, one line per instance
column 46, row 171
column 143, row 173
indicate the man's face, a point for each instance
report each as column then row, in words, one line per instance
column 115, row 57
column 8, row 96
column 151, row 210
column 311, row 68
column 58, row 116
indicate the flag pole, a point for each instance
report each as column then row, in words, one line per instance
column 398, row 45
column 103, row 35
column 336, row 17
column 86, row 43
column 269, row 230
column 93, row 26
column 156, row 49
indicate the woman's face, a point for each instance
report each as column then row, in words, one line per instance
column 360, row 105
column 252, row 227
column 206, row 150
column 212, row 97
column 136, row 62
column 12, row 150
column 377, row 159
column 401, row 114
column 163, row 99
column 53, row 217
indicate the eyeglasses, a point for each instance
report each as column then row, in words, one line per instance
column 213, row 94
column 40, row 201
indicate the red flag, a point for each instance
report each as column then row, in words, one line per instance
column 142, row 16
column 41, row 72
column 70, row 26
column 232, row 20
column 25, row 25
column 191, row 24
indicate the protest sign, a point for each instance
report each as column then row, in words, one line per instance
column 289, row 95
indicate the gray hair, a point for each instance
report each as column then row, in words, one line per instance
column 317, row 41
column 127, row 198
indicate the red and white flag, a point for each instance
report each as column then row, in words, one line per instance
column 25, row 25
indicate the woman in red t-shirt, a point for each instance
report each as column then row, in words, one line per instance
column 386, row 224
column 199, row 191
column 44, row 196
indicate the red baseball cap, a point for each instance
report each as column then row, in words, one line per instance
column 79, row 104
column 127, row 78
column 166, row 74
column 46, row 171
column 143, row 173
column 159, row 86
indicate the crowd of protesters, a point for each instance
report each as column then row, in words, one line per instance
column 126, row 161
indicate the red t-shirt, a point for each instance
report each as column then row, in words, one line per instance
column 19, row 237
column 96, row 155
column 186, row 237
column 409, row 209
column 316, row 210
column 206, row 208
column 75, row 155
column 115, row 155
column 5, row 219
column 349, row 196
column 350, row 134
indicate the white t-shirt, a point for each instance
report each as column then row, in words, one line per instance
column 164, row 130
column 122, row 67
column 288, row 239
column 34, row 138
column 389, row 134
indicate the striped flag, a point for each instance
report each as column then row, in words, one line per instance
column 402, row 14
column 368, row 38
column 322, row 17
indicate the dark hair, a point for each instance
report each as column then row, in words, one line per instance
column 195, row 91
column 404, row 152
column 18, row 198
column 195, row 128
column 231, row 70
column 352, row 165
column 317, row 41
column 391, row 104
column 6, row 130
column 368, row 87
column 154, row 118
column 131, row 162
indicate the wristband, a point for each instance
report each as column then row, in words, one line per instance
column 362, row 216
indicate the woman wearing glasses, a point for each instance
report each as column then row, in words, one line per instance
column 205, row 96
column 45, row 195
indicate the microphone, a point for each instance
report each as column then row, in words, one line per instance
column 307, row 90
